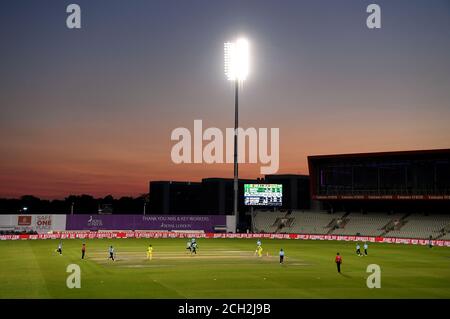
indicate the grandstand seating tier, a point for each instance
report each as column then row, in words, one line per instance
column 371, row 224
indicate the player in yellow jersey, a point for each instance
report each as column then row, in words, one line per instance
column 150, row 252
column 260, row 250
column 258, row 245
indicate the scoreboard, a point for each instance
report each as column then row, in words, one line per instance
column 263, row 194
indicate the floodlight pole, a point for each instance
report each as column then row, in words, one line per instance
column 236, row 173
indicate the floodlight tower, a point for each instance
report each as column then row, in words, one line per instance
column 236, row 70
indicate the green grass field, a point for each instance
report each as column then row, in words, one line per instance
column 223, row 268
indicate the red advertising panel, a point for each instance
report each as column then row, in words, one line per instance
column 24, row 220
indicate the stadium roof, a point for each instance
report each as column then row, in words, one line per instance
column 383, row 154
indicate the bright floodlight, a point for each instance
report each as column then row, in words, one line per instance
column 236, row 60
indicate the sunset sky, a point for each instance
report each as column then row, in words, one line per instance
column 92, row 110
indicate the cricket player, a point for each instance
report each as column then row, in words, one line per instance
column 59, row 250
column 365, row 248
column 258, row 244
column 111, row 253
column 281, row 255
column 150, row 252
column 194, row 247
column 358, row 249
column 430, row 242
column 188, row 246
column 338, row 261
column 83, row 250
column 260, row 251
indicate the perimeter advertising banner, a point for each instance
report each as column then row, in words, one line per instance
column 206, row 223
column 168, row 234
column 33, row 222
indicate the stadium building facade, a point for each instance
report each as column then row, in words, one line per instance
column 211, row 196
column 418, row 180
column 296, row 192
column 168, row 197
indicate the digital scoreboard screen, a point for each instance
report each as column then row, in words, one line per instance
column 263, row 194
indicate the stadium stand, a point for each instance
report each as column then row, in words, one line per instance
column 445, row 237
column 313, row 222
column 365, row 224
column 300, row 222
column 264, row 222
column 339, row 223
column 421, row 226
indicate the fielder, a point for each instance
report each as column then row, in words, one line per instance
column 188, row 246
column 358, row 249
column 194, row 247
column 111, row 253
column 59, row 250
column 83, row 250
